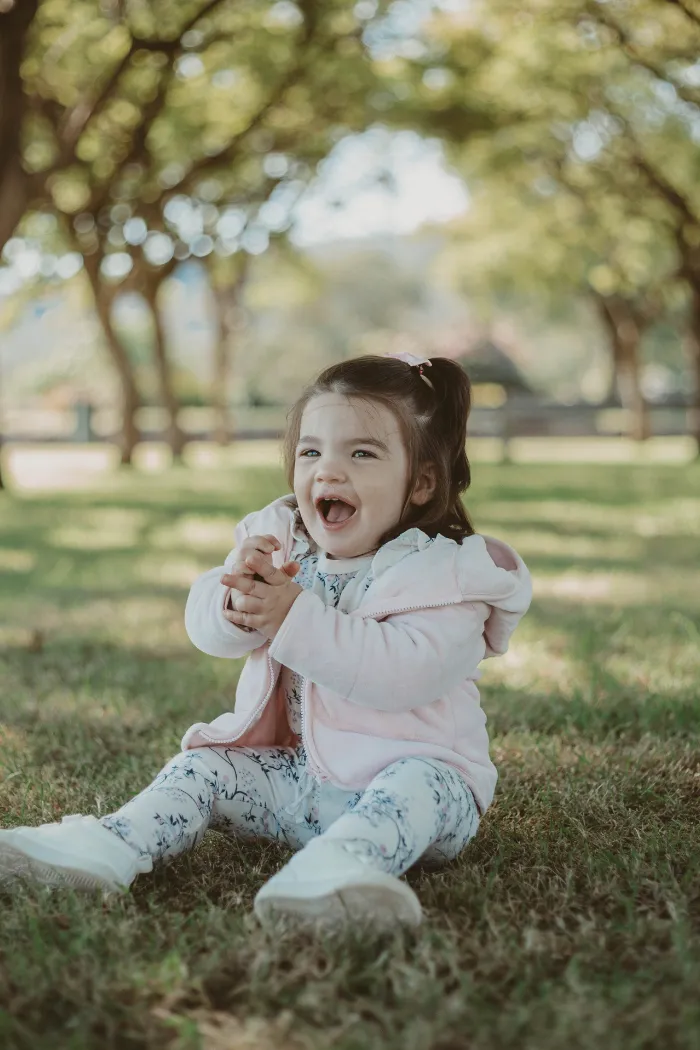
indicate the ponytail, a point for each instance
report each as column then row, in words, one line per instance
column 448, row 429
column 432, row 411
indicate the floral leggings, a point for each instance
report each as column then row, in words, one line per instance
column 416, row 807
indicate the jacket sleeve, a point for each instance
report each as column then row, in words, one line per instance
column 205, row 622
column 407, row 660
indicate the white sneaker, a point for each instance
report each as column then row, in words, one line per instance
column 79, row 853
column 326, row 882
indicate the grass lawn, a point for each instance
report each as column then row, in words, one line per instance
column 572, row 921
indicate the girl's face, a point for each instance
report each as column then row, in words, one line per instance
column 353, row 451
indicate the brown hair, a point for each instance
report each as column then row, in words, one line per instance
column 433, row 424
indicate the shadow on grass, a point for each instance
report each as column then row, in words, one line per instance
column 572, row 915
column 617, row 711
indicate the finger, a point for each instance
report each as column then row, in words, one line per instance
column 240, row 581
column 245, row 565
column 291, row 568
column 235, row 578
column 246, row 584
column 259, row 564
column 242, row 619
column 238, row 565
column 236, row 569
column 247, row 603
column 265, row 544
column 262, row 565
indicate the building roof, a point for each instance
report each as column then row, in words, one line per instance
column 486, row 362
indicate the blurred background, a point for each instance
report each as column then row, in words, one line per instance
column 202, row 204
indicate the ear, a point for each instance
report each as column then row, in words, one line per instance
column 424, row 487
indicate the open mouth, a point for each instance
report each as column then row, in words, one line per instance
column 335, row 512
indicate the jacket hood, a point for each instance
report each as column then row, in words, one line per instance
column 415, row 571
column 493, row 572
column 418, row 571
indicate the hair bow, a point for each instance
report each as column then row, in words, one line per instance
column 413, row 361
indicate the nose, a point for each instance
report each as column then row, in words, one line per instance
column 329, row 470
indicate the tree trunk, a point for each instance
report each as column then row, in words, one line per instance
column 625, row 332
column 219, row 392
column 176, row 438
column 131, row 399
column 14, row 196
column 629, row 385
column 693, row 344
column 14, row 25
column 2, row 477
column 227, row 300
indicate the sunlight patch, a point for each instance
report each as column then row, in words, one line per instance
column 11, row 737
column 619, row 588
column 141, row 622
column 542, row 663
column 558, row 512
column 197, row 533
column 550, row 544
column 262, row 453
column 222, row 1031
column 592, row 587
column 672, row 517
column 16, row 560
column 48, row 468
column 103, row 528
column 172, row 572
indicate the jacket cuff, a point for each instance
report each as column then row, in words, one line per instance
column 300, row 612
column 230, row 596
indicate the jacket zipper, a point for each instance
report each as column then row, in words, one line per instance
column 256, row 713
column 407, row 608
column 312, row 765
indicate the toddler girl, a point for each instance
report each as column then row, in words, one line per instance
column 365, row 602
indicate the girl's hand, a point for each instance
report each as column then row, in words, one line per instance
column 266, row 594
column 264, row 544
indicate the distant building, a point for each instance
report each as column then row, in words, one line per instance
column 498, row 386
column 486, row 363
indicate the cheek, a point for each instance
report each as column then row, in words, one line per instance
column 300, row 478
column 383, row 492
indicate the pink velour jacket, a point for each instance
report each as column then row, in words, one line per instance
column 396, row 677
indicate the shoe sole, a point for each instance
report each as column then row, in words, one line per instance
column 21, row 863
column 380, row 905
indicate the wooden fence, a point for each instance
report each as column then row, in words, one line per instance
column 522, row 417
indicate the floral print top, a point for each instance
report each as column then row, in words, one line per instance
column 340, row 583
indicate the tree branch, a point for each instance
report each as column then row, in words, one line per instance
column 687, row 11
column 77, row 119
column 229, row 152
column 598, row 14
column 664, row 189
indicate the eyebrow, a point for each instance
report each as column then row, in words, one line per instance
column 310, row 439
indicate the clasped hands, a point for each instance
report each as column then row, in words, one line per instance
column 266, row 594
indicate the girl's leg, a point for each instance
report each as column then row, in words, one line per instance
column 247, row 791
column 237, row 789
column 415, row 807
